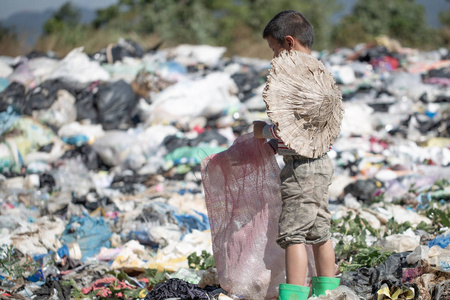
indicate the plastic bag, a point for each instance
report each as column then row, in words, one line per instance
column 406, row 241
column 76, row 67
column 439, row 259
column 357, row 119
column 91, row 234
column 115, row 102
column 120, row 148
column 92, row 132
column 23, row 75
column 208, row 96
column 365, row 281
column 193, row 54
column 61, row 112
column 442, row 241
column 242, row 193
column 44, row 95
column 41, row 67
column 13, row 95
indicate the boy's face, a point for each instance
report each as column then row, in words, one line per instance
column 275, row 46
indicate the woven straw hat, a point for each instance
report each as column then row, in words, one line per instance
column 304, row 103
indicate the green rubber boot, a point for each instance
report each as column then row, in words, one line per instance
column 293, row 292
column 322, row 284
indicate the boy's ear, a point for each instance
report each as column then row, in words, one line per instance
column 289, row 42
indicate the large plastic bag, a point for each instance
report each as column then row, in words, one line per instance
column 90, row 233
column 13, row 95
column 73, row 129
column 242, row 193
column 133, row 148
column 407, row 241
column 208, row 96
column 23, row 75
column 41, row 67
column 439, row 259
column 357, row 119
column 61, row 112
column 115, row 103
column 193, row 54
column 77, row 67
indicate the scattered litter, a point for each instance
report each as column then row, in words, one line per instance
column 130, row 174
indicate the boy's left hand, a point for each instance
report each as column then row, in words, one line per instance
column 258, row 129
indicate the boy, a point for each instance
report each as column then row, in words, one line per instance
column 305, row 218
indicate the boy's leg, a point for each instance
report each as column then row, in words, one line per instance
column 324, row 259
column 296, row 264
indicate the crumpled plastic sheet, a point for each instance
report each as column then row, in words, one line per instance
column 77, row 67
column 442, row 241
column 8, row 118
column 90, row 233
column 53, row 288
column 242, row 193
column 367, row 281
column 189, row 222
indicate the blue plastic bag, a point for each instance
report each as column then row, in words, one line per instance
column 441, row 241
column 90, row 233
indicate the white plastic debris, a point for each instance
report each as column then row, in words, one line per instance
column 193, row 54
column 77, row 67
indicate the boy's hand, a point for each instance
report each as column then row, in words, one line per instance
column 258, row 129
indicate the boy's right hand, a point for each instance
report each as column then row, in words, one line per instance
column 258, row 129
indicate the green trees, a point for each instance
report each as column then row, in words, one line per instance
column 444, row 32
column 403, row 20
column 215, row 22
column 63, row 30
column 349, row 32
column 238, row 24
column 5, row 33
column 66, row 16
column 104, row 16
column 188, row 21
column 202, row 19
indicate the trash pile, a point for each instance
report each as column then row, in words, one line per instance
column 100, row 170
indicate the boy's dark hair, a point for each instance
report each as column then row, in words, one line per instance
column 293, row 23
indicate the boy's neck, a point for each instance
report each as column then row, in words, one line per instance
column 301, row 48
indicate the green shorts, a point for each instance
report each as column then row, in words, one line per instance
column 305, row 218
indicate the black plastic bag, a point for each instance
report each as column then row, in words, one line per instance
column 88, row 156
column 43, row 96
column 367, row 281
column 115, row 103
column 13, row 95
column 363, row 190
column 86, row 107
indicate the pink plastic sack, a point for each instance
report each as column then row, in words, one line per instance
column 242, row 193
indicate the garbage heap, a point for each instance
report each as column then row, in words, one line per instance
column 101, row 192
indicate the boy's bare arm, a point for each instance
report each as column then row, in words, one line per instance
column 258, row 129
